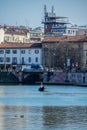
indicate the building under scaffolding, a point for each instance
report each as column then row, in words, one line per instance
column 57, row 25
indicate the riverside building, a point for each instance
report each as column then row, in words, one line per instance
column 23, row 54
column 64, row 51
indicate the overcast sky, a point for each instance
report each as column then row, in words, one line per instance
column 31, row 12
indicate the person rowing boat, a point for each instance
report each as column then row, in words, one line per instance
column 41, row 87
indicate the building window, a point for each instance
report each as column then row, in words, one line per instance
column 7, row 51
column 26, row 40
column 7, row 59
column 73, row 32
column 14, row 60
column 1, row 51
column 13, row 38
column 6, row 38
column 22, row 51
column 68, row 31
column 17, row 39
column 22, row 60
column 36, row 59
column 1, row 59
column 29, row 51
column 14, row 51
column 29, row 59
column 45, row 26
column 36, row 51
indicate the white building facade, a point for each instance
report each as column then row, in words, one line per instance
column 20, row 54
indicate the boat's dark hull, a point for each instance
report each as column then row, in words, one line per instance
column 41, row 89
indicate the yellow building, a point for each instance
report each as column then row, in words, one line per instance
column 84, row 59
column 1, row 34
column 64, row 51
column 14, row 34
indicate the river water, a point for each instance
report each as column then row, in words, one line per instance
column 23, row 107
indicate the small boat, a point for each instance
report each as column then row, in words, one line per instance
column 41, row 87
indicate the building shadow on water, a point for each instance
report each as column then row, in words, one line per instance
column 65, row 117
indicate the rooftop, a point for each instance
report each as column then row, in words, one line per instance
column 20, row 45
column 15, row 30
column 64, row 38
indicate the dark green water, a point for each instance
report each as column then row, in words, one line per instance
column 58, row 108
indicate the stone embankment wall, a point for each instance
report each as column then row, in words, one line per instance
column 62, row 77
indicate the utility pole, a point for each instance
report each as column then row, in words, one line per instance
column 67, row 64
column 5, row 59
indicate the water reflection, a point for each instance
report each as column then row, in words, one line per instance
column 64, row 117
column 58, row 108
column 43, row 118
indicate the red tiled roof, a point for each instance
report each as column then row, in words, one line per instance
column 15, row 30
column 20, row 45
column 15, row 33
column 64, row 38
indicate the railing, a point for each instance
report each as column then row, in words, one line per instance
column 55, row 20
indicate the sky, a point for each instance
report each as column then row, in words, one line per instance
column 31, row 12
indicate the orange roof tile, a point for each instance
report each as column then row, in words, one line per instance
column 20, row 45
column 64, row 38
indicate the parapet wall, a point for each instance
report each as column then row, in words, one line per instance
column 71, row 77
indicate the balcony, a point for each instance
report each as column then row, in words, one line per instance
column 59, row 27
column 61, row 21
column 48, row 21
